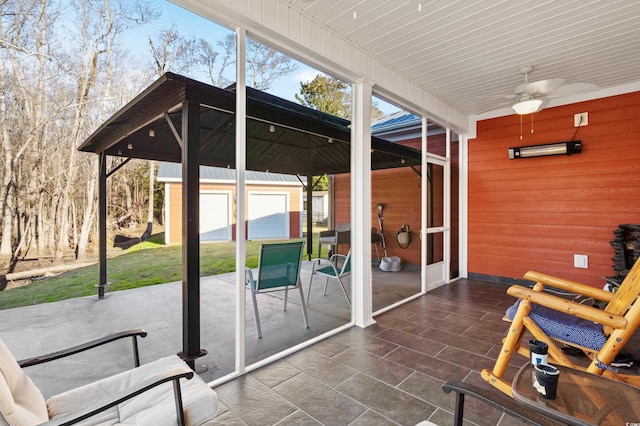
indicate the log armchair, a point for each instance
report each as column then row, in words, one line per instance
column 599, row 333
column 163, row 392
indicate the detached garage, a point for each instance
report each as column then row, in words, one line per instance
column 274, row 204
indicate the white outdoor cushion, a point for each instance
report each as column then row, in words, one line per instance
column 21, row 403
column 154, row 407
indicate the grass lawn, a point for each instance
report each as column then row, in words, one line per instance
column 147, row 263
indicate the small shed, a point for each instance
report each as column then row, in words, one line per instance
column 274, row 204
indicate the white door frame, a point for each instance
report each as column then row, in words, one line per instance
column 436, row 274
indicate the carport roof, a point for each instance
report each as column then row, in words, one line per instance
column 282, row 136
column 172, row 172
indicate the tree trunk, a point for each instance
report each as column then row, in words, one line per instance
column 152, row 174
column 84, row 84
column 89, row 215
column 7, row 164
column 7, row 227
column 90, row 210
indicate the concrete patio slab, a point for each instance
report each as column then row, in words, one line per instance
column 45, row 328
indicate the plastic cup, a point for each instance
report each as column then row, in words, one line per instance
column 546, row 380
column 538, row 352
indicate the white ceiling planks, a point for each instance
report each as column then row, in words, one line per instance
column 462, row 54
column 467, row 52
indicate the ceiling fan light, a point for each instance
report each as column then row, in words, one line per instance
column 527, row 106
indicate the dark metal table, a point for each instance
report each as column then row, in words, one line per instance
column 582, row 398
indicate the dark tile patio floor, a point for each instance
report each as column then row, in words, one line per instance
column 388, row 374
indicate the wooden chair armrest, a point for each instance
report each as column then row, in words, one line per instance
column 172, row 375
column 568, row 306
column 570, row 286
column 134, row 334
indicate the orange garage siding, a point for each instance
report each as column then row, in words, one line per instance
column 173, row 207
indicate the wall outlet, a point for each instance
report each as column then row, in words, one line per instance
column 581, row 261
column 581, row 119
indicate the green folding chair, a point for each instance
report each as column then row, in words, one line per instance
column 278, row 270
column 333, row 270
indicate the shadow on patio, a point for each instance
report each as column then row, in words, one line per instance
column 45, row 328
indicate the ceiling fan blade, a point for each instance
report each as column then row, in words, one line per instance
column 499, row 97
column 499, row 105
column 540, row 87
column 572, row 89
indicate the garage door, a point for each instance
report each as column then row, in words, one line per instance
column 215, row 223
column 268, row 216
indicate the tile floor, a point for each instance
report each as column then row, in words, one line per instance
column 387, row 374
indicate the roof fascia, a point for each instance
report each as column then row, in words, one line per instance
column 115, row 129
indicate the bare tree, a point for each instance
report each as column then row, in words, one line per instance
column 58, row 62
column 170, row 51
column 264, row 64
column 22, row 115
column 209, row 57
column 117, row 16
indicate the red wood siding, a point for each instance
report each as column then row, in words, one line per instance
column 536, row 213
column 341, row 200
column 399, row 191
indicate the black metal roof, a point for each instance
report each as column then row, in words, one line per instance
column 282, row 136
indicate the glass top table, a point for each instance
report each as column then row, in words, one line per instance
column 582, row 398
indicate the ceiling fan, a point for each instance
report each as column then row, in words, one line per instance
column 529, row 96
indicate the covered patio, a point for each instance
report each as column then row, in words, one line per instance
column 181, row 120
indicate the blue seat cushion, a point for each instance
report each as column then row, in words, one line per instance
column 563, row 326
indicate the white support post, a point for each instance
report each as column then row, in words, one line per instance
column 241, row 165
column 447, row 210
column 424, row 185
column 362, row 308
column 463, row 210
